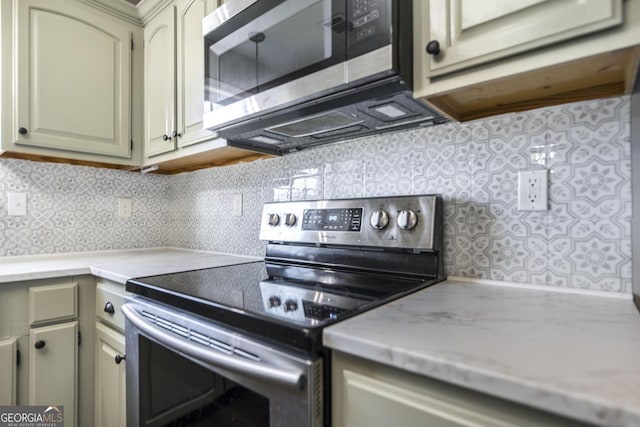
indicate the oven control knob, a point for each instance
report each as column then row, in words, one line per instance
column 290, row 219
column 407, row 219
column 290, row 305
column 273, row 220
column 274, row 302
column 379, row 219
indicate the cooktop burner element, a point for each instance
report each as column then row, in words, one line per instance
column 326, row 260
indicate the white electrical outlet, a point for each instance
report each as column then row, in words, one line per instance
column 532, row 190
column 236, row 208
column 16, row 204
column 124, row 208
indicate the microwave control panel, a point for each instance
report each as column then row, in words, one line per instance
column 369, row 25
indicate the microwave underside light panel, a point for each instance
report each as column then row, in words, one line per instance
column 376, row 116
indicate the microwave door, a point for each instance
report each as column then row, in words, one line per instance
column 280, row 57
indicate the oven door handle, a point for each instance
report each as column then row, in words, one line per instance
column 288, row 377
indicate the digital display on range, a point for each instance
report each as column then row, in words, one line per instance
column 346, row 219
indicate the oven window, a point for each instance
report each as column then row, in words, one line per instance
column 175, row 391
column 260, row 49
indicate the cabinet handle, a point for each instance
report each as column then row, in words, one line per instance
column 176, row 134
column 433, row 48
column 23, row 131
column 166, row 137
column 40, row 344
column 108, row 308
column 119, row 358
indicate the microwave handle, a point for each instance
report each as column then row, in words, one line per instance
column 290, row 378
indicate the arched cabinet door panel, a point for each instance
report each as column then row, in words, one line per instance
column 73, row 79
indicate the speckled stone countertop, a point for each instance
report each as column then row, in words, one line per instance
column 576, row 355
column 117, row 265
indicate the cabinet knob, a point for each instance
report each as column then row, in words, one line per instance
column 166, row 137
column 23, row 131
column 119, row 358
column 109, row 308
column 433, row 48
column 176, row 134
column 40, row 344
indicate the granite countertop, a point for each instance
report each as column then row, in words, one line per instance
column 573, row 354
column 116, row 265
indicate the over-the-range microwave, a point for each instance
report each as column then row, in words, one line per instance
column 281, row 75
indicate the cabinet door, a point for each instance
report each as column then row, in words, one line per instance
column 110, row 402
column 371, row 402
column 160, row 82
column 53, row 366
column 73, row 77
column 191, row 72
column 8, row 349
column 472, row 32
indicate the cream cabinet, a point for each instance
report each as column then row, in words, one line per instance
column 174, row 93
column 159, row 82
column 478, row 59
column 463, row 33
column 8, row 368
column 110, row 407
column 53, row 367
column 50, row 323
column 190, row 71
column 368, row 394
column 110, row 358
column 53, row 343
column 174, row 77
column 67, row 82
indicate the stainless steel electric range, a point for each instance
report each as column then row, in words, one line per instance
column 241, row 345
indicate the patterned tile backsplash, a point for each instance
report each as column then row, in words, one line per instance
column 73, row 209
column 582, row 241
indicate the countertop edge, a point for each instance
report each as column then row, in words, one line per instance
column 584, row 407
column 106, row 264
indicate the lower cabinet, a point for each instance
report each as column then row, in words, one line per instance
column 110, row 378
column 368, row 394
column 53, row 366
column 8, row 367
column 110, row 385
column 46, row 345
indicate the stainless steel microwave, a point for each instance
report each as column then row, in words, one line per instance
column 286, row 74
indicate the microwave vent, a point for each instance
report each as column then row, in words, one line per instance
column 313, row 125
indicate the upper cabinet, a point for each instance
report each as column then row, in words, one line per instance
column 477, row 59
column 159, row 81
column 69, row 70
column 190, row 73
column 463, row 33
column 174, row 78
column 175, row 140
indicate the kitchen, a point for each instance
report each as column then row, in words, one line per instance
column 474, row 165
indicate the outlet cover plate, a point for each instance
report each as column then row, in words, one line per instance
column 124, row 207
column 16, row 204
column 236, row 208
column 532, row 190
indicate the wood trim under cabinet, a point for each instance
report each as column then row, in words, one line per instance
column 51, row 159
column 600, row 76
column 223, row 156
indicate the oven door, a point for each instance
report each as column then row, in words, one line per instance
column 183, row 371
column 263, row 55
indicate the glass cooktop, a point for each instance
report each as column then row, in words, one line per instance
column 285, row 303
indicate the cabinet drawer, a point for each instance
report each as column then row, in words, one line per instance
column 53, row 302
column 109, row 300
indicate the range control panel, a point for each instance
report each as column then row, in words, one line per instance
column 345, row 219
column 395, row 222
